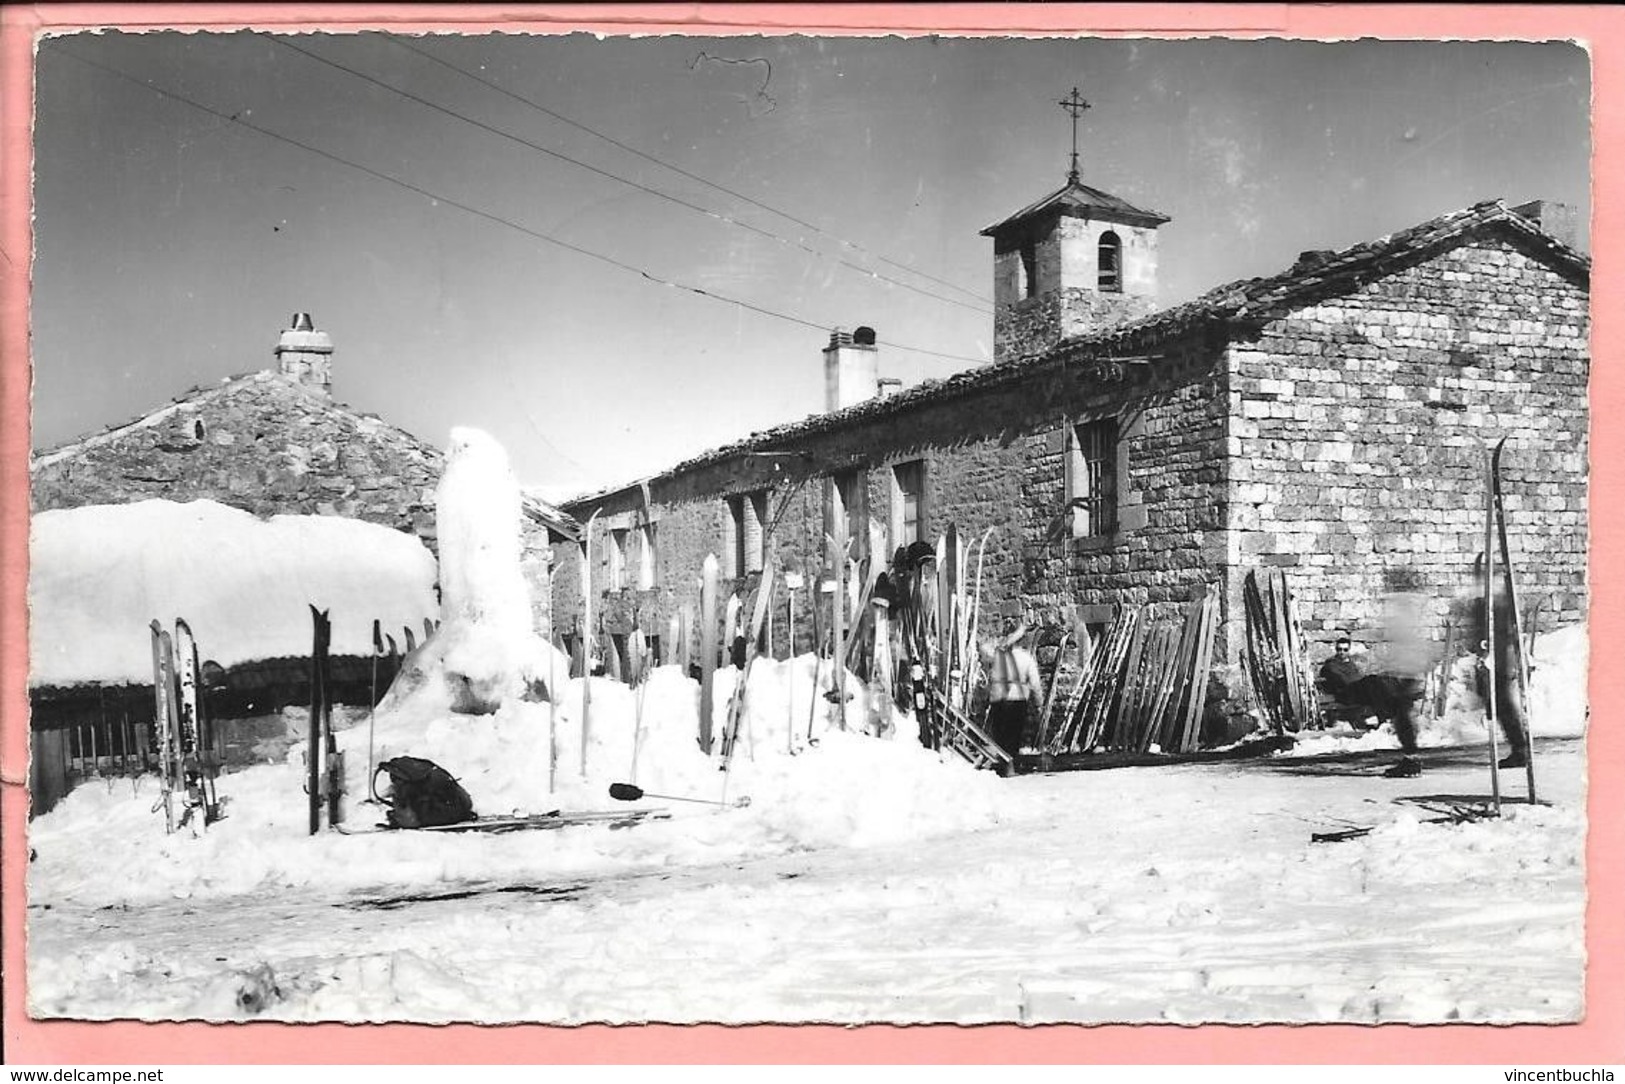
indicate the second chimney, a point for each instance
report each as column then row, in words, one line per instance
column 1560, row 220
column 851, row 368
column 305, row 355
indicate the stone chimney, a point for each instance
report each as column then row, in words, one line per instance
column 305, row 355
column 851, row 368
column 1560, row 220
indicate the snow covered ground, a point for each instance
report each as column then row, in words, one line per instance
column 1184, row 894
column 866, row 880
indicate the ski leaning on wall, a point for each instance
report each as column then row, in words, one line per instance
column 163, row 686
column 196, row 744
column 186, row 763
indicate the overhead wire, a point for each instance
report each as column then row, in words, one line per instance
column 611, row 175
column 489, row 216
column 403, row 43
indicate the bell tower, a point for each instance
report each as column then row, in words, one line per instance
column 1075, row 262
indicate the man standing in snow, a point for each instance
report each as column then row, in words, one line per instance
column 1013, row 686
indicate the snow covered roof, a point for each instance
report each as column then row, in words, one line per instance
column 99, row 574
column 1227, row 310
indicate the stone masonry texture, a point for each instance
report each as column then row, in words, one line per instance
column 1342, row 439
column 1357, row 431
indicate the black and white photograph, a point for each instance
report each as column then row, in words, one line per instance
column 566, row 529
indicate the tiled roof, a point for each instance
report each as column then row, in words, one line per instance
column 1077, row 198
column 1227, row 309
column 538, row 510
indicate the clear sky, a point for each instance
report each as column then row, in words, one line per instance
column 172, row 245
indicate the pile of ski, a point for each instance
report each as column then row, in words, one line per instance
column 1144, row 686
column 1277, row 662
column 187, row 763
column 1162, row 700
column 1089, row 706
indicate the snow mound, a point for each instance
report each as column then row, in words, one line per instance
column 99, row 574
column 485, row 653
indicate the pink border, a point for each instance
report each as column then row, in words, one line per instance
column 1599, row 1040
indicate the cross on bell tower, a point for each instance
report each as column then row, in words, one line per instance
column 1074, row 263
column 1075, row 105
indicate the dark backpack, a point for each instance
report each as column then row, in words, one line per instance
column 422, row 794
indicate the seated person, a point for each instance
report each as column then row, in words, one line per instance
column 1339, row 682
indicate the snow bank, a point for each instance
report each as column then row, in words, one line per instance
column 98, row 575
column 103, row 843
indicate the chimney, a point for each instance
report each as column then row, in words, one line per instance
column 1559, row 220
column 305, row 355
column 851, row 368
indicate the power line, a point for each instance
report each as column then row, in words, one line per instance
column 657, row 193
column 612, row 141
column 237, row 118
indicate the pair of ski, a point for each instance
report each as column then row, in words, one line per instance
column 186, row 764
column 959, row 606
column 324, row 764
column 612, row 819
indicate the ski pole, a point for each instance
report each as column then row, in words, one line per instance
column 1489, row 637
column 637, row 727
column 372, row 708
column 628, row 792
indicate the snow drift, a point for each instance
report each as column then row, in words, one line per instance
column 100, row 574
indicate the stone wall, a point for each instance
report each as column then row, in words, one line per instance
column 1034, row 325
column 993, row 460
column 1358, row 430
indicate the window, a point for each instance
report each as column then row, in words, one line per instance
column 1091, row 478
column 849, row 514
column 1029, row 269
column 615, row 551
column 1111, row 263
column 908, row 503
column 646, row 557
column 747, row 528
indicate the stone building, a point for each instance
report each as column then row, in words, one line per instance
column 275, row 442
column 1331, row 420
column 269, row 442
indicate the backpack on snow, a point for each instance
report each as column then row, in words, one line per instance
column 422, row 794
